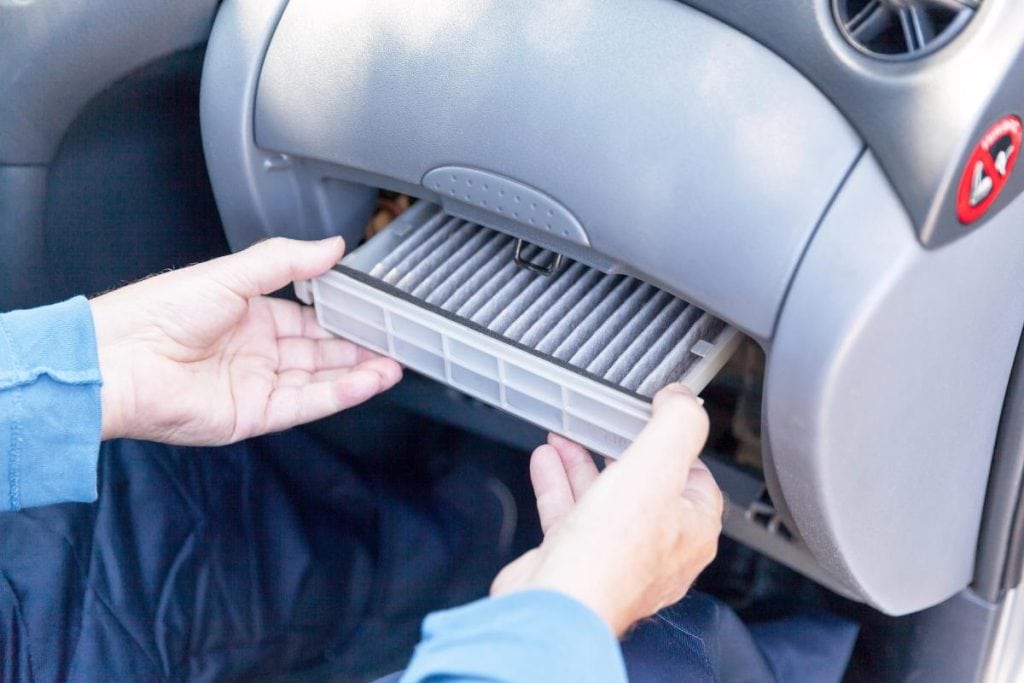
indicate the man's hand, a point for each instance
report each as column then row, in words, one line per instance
column 200, row 357
column 633, row 539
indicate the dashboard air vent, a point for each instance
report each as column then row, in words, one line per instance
column 902, row 29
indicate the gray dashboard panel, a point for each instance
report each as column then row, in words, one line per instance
column 884, row 389
column 261, row 194
column 920, row 118
column 689, row 154
column 22, row 198
column 56, row 56
column 675, row 148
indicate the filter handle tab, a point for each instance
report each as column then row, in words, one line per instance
column 545, row 269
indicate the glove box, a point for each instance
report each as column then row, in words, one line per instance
column 689, row 189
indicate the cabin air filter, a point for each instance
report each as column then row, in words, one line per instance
column 561, row 344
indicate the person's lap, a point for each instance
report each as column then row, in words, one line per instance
column 251, row 559
column 701, row 639
column 278, row 554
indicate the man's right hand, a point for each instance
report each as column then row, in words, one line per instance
column 200, row 356
column 632, row 539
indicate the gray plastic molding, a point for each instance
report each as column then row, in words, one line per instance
column 951, row 642
column 56, row 56
column 689, row 155
column 920, row 118
column 261, row 194
column 22, row 197
column 884, row 390
column 753, row 519
column 1000, row 561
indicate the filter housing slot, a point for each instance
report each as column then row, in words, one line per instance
column 577, row 351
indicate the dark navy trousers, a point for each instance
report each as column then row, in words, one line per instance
column 280, row 555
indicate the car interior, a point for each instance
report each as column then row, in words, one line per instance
column 552, row 209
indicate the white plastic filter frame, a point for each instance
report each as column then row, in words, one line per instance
column 521, row 383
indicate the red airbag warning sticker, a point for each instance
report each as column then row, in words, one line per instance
column 988, row 169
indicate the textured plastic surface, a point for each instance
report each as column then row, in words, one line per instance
column 922, row 118
column 262, row 194
column 884, row 389
column 22, row 201
column 1001, row 545
column 492, row 193
column 683, row 148
column 56, row 56
column 563, row 351
column 949, row 642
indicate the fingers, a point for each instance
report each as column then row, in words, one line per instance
column 672, row 440
column 291, row 404
column 578, row 464
column 701, row 507
column 551, row 486
column 268, row 266
column 295, row 320
column 702, row 491
column 389, row 371
column 314, row 355
column 300, row 378
column 561, row 472
column 516, row 574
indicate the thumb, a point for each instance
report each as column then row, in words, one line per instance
column 516, row 574
column 702, row 491
column 674, row 436
column 269, row 265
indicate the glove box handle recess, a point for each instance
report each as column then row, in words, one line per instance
column 575, row 351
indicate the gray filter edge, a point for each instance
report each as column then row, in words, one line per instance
column 613, row 328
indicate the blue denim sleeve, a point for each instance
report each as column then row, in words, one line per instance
column 49, row 405
column 530, row 636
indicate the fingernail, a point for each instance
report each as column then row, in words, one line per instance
column 681, row 388
column 396, row 374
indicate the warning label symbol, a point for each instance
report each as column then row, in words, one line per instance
column 988, row 169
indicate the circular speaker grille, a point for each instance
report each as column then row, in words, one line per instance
column 902, row 29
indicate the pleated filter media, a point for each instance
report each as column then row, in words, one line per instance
column 576, row 351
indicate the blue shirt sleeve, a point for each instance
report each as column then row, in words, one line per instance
column 522, row 637
column 49, row 405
